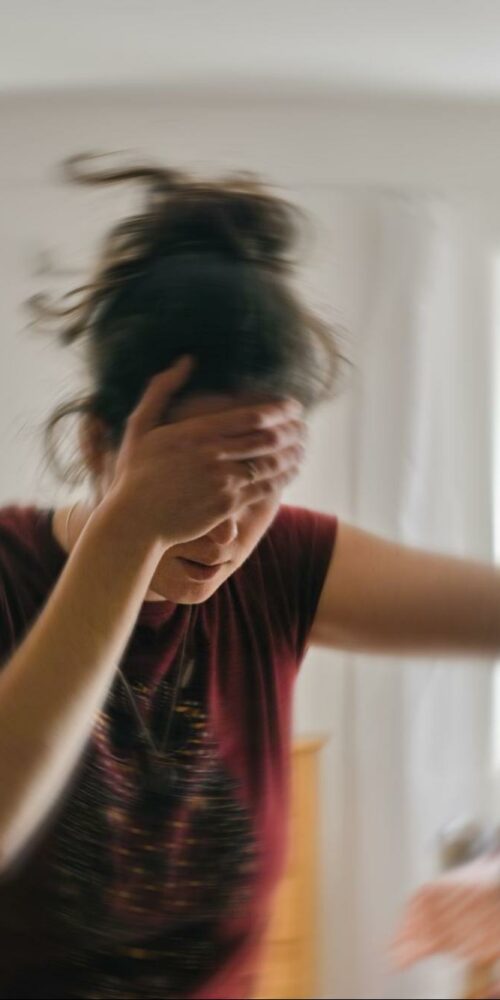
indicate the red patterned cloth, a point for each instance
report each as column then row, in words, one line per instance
column 457, row 913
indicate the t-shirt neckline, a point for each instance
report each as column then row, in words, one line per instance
column 150, row 613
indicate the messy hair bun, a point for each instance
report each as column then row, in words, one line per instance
column 204, row 268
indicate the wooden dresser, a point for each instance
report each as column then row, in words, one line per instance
column 290, row 960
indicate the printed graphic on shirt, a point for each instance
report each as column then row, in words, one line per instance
column 143, row 873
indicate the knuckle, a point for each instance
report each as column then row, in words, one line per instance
column 226, row 482
column 272, row 437
column 225, row 490
column 257, row 420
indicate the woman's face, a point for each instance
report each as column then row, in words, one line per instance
column 229, row 543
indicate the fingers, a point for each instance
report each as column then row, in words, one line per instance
column 267, row 489
column 248, row 420
column 241, row 433
column 269, row 466
column 264, row 442
column 149, row 411
column 270, row 477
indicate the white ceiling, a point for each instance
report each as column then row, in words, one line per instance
column 422, row 48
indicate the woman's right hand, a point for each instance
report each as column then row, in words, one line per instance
column 179, row 480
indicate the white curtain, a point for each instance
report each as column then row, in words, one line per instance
column 422, row 460
column 414, row 744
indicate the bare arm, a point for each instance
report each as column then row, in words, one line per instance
column 58, row 678
column 56, row 681
column 385, row 598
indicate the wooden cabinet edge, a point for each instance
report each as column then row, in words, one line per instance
column 303, row 948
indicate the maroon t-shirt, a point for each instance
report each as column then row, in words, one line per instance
column 139, row 891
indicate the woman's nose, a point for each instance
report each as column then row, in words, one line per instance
column 225, row 532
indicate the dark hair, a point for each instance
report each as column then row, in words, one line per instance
column 203, row 269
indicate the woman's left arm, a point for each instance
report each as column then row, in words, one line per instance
column 385, row 598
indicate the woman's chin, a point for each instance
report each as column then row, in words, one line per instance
column 184, row 592
column 182, row 581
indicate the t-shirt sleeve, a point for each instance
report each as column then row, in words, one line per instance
column 305, row 542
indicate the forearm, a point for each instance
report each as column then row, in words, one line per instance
column 390, row 599
column 441, row 606
column 55, row 683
